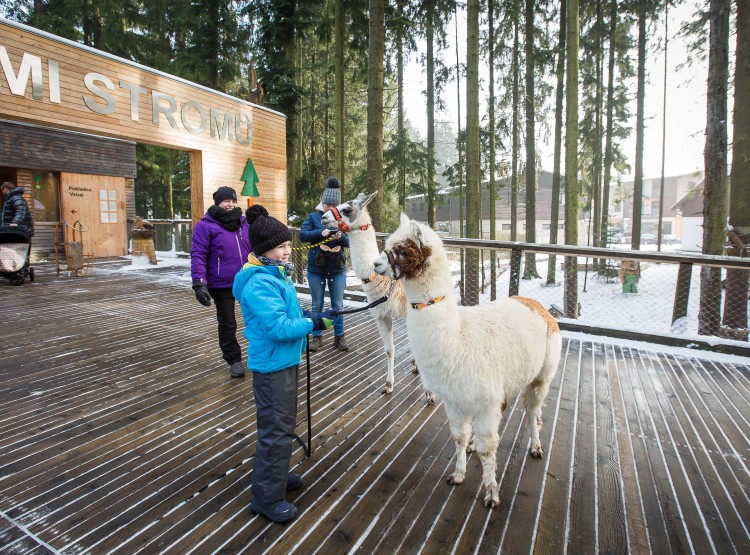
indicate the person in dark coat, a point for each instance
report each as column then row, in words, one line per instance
column 15, row 213
column 326, row 264
column 220, row 248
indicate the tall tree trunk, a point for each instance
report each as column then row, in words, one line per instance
column 493, row 184
column 639, row 128
column 213, row 46
column 375, row 85
column 715, row 160
column 401, row 132
column 659, row 229
column 339, row 92
column 596, row 183
column 514, row 128
column 473, row 163
column 430, row 29
column 560, row 72
column 571, row 160
column 291, row 128
column 608, row 149
column 529, row 271
column 460, row 163
column 735, row 302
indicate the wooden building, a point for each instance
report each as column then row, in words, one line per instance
column 70, row 117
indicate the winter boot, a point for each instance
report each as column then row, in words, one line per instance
column 293, row 481
column 281, row 511
column 339, row 342
column 237, row 370
column 316, row 342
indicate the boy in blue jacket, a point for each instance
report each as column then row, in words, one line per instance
column 276, row 330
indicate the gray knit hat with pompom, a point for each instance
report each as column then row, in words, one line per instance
column 332, row 192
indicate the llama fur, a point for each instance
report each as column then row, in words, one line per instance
column 363, row 249
column 475, row 358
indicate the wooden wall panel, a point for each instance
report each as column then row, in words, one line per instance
column 223, row 161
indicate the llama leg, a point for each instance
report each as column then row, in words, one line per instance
column 536, row 392
column 533, row 397
column 385, row 328
column 460, row 426
column 486, row 440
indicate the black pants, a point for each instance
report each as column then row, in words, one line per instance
column 224, row 301
column 276, row 406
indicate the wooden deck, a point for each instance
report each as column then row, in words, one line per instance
column 121, row 431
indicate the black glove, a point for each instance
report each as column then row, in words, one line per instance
column 330, row 314
column 320, row 324
column 201, row 293
column 321, row 321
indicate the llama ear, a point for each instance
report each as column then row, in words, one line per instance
column 417, row 232
column 365, row 200
column 404, row 220
column 360, row 197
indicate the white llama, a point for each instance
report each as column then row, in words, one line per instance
column 474, row 358
column 363, row 248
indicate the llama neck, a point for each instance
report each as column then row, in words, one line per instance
column 363, row 250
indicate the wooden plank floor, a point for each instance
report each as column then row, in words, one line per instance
column 121, row 432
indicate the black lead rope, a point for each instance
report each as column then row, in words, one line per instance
column 373, row 304
column 307, row 448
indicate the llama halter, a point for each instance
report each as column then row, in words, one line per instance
column 342, row 224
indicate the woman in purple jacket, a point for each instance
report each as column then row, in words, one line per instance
column 220, row 248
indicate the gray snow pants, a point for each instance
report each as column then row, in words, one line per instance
column 276, row 405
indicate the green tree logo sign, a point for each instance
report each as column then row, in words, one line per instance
column 250, row 177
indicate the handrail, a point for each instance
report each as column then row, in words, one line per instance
column 593, row 252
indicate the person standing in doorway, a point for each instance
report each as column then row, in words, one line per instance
column 326, row 264
column 220, row 248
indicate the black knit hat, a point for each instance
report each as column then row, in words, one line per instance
column 223, row 193
column 265, row 232
column 332, row 192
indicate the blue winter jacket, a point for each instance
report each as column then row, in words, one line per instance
column 319, row 261
column 217, row 253
column 274, row 326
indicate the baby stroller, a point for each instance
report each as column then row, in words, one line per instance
column 15, row 245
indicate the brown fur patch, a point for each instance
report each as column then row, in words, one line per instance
column 552, row 326
column 411, row 257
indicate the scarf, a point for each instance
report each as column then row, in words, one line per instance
column 228, row 219
column 288, row 266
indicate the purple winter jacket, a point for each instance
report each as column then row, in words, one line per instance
column 218, row 254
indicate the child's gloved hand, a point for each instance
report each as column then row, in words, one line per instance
column 320, row 324
column 329, row 314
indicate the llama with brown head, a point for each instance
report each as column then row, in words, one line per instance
column 474, row 358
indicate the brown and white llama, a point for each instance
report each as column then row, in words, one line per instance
column 474, row 358
column 363, row 249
